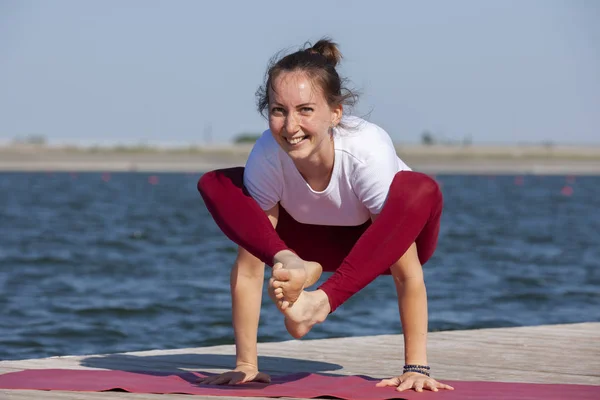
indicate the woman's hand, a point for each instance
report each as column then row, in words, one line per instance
column 241, row 374
column 414, row 380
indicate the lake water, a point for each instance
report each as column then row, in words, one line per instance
column 100, row 263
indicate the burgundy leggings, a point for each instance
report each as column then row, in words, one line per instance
column 357, row 254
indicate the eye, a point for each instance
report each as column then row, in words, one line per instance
column 277, row 111
column 306, row 110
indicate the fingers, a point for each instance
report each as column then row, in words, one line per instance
column 261, row 377
column 389, row 382
column 434, row 385
column 206, row 380
column 431, row 386
column 418, row 383
column 418, row 386
column 234, row 378
column 407, row 384
column 223, row 380
column 444, row 386
column 228, row 378
column 214, row 380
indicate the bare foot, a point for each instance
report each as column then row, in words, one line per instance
column 276, row 295
column 290, row 277
column 311, row 308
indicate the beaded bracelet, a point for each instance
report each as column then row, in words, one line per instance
column 421, row 369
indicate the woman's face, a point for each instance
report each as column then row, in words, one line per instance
column 299, row 117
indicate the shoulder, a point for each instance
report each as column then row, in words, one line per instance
column 363, row 140
column 263, row 160
column 264, row 153
column 262, row 175
column 265, row 146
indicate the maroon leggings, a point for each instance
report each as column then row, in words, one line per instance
column 357, row 254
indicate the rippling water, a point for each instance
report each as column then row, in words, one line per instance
column 98, row 263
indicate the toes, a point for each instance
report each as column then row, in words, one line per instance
column 281, row 274
column 278, row 285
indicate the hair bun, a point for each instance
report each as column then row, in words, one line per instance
column 327, row 49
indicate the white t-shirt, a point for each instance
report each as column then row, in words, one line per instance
column 364, row 165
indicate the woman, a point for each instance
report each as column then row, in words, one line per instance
column 323, row 191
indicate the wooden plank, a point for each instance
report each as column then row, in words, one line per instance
column 537, row 354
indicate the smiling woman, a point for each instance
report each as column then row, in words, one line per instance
column 301, row 122
column 303, row 99
column 322, row 190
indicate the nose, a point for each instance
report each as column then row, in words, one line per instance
column 291, row 123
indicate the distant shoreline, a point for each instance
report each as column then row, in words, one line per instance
column 438, row 159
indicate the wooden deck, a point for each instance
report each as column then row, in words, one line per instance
column 539, row 354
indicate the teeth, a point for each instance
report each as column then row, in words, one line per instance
column 296, row 140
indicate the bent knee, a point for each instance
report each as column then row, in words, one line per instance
column 421, row 185
column 219, row 178
column 205, row 182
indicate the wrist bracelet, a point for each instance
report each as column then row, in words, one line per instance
column 421, row 369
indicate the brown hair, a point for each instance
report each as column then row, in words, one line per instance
column 318, row 62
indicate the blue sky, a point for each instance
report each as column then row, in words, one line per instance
column 167, row 72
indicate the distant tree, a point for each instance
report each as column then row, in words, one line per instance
column 38, row 140
column 427, row 138
column 246, row 138
column 548, row 144
column 467, row 141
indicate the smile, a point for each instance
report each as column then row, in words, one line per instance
column 295, row 140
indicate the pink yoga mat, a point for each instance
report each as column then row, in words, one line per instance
column 302, row 385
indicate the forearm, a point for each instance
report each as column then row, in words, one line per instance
column 246, row 294
column 412, row 303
